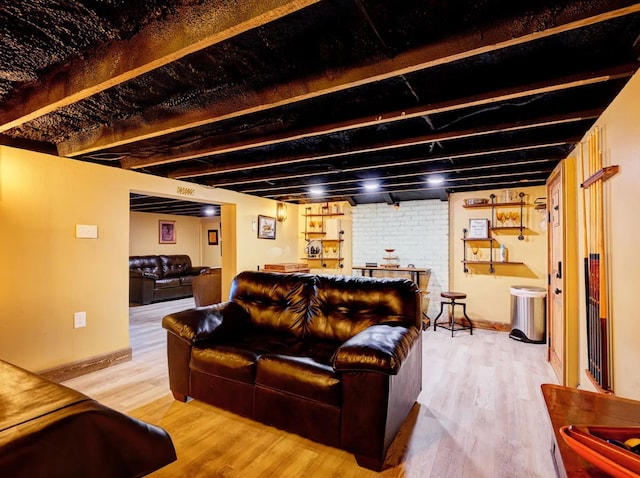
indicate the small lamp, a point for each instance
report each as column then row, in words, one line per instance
column 281, row 212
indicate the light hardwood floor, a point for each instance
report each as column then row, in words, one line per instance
column 480, row 414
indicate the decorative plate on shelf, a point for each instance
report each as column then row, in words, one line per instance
column 605, row 448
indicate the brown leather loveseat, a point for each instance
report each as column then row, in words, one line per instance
column 336, row 359
column 163, row 277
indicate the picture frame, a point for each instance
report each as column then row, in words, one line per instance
column 212, row 235
column 266, row 227
column 478, row 229
column 166, row 232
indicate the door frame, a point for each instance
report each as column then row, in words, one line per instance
column 566, row 169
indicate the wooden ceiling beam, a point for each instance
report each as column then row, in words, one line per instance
column 444, row 171
column 510, row 33
column 211, row 146
column 191, row 29
column 388, row 198
column 388, row 145
column 423, row 185
column 386, row 165
column 511, row 182
column 31, row 145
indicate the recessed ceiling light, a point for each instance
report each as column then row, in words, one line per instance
column 210, row 211
column 435, row 180
column 371, row 186
column 316, row 191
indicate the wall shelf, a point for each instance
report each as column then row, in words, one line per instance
column 497, row 263
column 322, row 251
column 328, row 262
column 324, row 214
column 490, row 242
column 493, row 205
column 478, row 239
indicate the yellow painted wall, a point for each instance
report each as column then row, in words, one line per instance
column 211, row 253
column 144, row 236
column 48, row 274
column 488, row 295
column 620, row 125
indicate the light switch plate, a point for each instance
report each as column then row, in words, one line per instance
column 79, row 319
column 86, row 231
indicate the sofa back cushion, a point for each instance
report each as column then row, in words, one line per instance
column 275, row 301
column 146, row 265
column 175, row 265
column 344, row 305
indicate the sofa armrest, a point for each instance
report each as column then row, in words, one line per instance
column 143, row 275
column 197, row 270
column 379, row 348
column 202, row 323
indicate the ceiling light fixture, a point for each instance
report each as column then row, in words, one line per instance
column 316, row 191
column 435, row 180
column 209, row 211
column 281, row 212
column 371, row 186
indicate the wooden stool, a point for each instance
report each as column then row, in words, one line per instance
column 453, row 325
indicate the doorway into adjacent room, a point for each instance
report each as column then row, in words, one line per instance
column 195, row 231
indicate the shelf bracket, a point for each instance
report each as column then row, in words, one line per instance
column 521, row 236
column 465, row 269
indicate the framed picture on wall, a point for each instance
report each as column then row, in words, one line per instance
column 167, row 232
column 478, row 228
column 212, row 234
column 266, row 227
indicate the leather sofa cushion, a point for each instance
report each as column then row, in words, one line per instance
column 186, row 280
column 148, row 265
column 225, row 361
column 167, row 283
column 275, row 301
column 175, row 265
column 235, row 358
column 346, row 305
column 301, row 376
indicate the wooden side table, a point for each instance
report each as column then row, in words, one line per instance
column 570, row 406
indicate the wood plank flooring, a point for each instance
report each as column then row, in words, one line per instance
column 480, row 414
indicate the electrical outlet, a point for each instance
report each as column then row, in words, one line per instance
column 79, row 320
column 86, row 231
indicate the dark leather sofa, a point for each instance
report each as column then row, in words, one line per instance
column 161, row 277
column 336, row 359
column 50, row 431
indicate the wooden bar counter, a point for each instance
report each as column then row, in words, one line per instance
column 570, row 406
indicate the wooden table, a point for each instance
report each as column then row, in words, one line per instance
column 570, row 406
column 287, row 267
column 414, row 272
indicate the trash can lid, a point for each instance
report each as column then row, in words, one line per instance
column 528, row 291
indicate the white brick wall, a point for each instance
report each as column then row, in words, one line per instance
column 419, row 233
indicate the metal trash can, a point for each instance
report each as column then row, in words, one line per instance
column 528, row 314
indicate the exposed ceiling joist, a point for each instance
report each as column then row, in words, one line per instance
column 492, row 38
column 192, row 29
column 390, row 145
column 271, row 97
column 211, row 147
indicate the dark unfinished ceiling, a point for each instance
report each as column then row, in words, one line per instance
column 160, row 205
column 276, row 97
